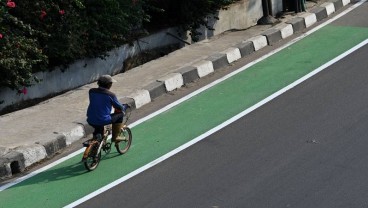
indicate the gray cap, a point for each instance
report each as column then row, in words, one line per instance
column 106, row 79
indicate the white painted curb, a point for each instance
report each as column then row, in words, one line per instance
column 204, row 68
column 330, row 7
column 141, row 98
column 309, row 19
column 285, row 29
column 74, row 135
column 172, row 81
column 232, row 54
column 345, row 2
column 259, row 42
column 32, row 153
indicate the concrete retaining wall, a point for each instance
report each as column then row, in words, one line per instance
column 241, row 15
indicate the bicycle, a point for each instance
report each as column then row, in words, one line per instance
column 94, row 147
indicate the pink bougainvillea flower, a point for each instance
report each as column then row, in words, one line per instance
column 1, row 36
column 10, row 4
column 62, row 12
column 23, row 91
column 43, row 14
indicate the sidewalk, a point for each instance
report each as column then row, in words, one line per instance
column 38, row 132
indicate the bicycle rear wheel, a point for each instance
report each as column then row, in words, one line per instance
column 123, row 146
column 92, row 159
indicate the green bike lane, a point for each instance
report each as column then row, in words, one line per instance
column 69, row 181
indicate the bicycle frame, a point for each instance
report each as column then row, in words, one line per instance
column 91, row 157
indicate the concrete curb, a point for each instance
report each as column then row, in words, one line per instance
column 55, row 145
column 320, row 12
column 330, row 8
column 297, row 23
column 218, row 60
column 309, row 19
column 338, row 4
column 246, row 48
column 232, row 54
column 141, row 98
column 345, row 2
column 273, row 35
column 189, row 74
column 259, row 42
column 14, row 161
column 172, row 81
column 204, row 68
column 155, row 89
column 285, row 29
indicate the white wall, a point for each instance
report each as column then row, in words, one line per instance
column 241, row 15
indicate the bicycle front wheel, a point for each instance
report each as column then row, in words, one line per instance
column 123, row 146
column 92, row 158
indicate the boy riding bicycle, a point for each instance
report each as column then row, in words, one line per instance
column 101, row 101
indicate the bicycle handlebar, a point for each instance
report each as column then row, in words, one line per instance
column 124, row 110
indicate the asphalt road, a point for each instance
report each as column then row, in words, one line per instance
column 306, row 148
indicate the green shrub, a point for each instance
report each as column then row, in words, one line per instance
column 77, row 30
column 37, row 36
column 20, row 50
column 40, row 35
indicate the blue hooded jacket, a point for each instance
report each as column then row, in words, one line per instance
column 101, row 101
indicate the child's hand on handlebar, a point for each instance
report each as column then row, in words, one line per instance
column 125, row 107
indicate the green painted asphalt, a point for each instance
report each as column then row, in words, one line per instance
column 69, row 181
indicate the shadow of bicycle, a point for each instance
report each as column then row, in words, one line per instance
column 69, row 171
